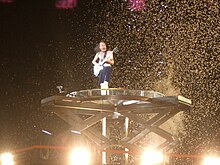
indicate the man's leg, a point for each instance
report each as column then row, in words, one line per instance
column 101, row 76
column 108, row 71
column 101, row 81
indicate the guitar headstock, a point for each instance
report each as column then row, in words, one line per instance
column 115, row 50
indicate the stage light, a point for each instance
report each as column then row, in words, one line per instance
column 7, row 159
column 152, row 157
column 76, row 132
column 211, row 161
column 80, row 156
column 130, row 102
column 47, row 132
column 136, row 5
column 7, row 1
column 66, row 4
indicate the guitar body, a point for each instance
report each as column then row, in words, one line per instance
column 97, row 69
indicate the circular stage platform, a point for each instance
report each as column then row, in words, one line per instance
column 116, row 99
column 115, row 103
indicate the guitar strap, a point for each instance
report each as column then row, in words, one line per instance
column 104, row 56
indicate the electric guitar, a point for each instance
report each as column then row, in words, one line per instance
column 99, row 67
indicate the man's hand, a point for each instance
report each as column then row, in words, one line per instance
column 109, row 62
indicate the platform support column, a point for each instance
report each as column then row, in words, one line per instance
column 104, row 133
column 126, row 134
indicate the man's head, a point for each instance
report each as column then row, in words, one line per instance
column 102, row 46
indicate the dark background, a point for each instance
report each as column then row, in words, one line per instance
column 42, row 47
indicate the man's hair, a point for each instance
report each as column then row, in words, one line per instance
column 96, row 49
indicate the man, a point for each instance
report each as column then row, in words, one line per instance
column 105, row 61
